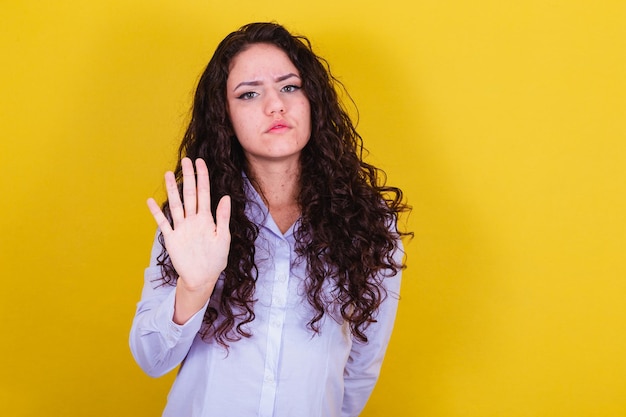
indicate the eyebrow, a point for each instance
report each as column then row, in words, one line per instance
column 256, row 83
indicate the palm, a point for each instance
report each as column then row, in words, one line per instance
column 197, row 244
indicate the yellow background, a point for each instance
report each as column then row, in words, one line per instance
column 504, row 122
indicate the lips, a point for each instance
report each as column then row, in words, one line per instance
column 278, row 126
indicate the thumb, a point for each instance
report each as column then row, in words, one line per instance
column 222, row 217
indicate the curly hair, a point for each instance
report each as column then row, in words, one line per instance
column 348, row 229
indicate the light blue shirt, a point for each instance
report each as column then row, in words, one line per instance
column 284, row 369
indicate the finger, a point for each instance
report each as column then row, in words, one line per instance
column 204, row 187
column 222, row 217
column 189, row 187
column 159, row 217
column 173, row 198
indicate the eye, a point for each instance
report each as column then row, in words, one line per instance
column 248, row 95
column 290, row 88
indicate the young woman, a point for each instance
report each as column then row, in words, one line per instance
column 275, row 273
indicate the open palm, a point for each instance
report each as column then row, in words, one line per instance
column 197, row 244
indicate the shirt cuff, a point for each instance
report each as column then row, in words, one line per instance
column 176, row 333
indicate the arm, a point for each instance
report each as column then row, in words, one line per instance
column 168, row 317
column 157, row 343
column 365, row 360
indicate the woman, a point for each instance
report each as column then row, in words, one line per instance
column 273, row 284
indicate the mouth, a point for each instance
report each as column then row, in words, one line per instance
column 278, row 126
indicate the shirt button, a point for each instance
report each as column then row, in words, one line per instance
column 282, row 277
column 276, row 323
column 269, row 378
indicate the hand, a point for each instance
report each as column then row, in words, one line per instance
column 197, row 245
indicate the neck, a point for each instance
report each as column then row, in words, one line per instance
column 279, row 186
column 276, row 182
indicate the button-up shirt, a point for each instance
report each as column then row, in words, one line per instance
column 284, row 369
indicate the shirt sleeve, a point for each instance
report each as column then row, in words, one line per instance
column 363, row 367
column 156, row 342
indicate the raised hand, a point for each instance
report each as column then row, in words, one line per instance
column 197, row 244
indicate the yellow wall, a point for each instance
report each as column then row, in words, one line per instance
column 504, row 121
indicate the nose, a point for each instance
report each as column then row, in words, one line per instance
column 274, row 103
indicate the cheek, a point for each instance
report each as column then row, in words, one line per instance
column 238, row 120
column 246, row 126
column 307, row 116
column 305, row 109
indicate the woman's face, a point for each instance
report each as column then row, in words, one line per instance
column 268, row 109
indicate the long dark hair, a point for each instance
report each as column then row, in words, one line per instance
column 348, row 230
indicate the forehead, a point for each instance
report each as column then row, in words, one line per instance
column 260, row 60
